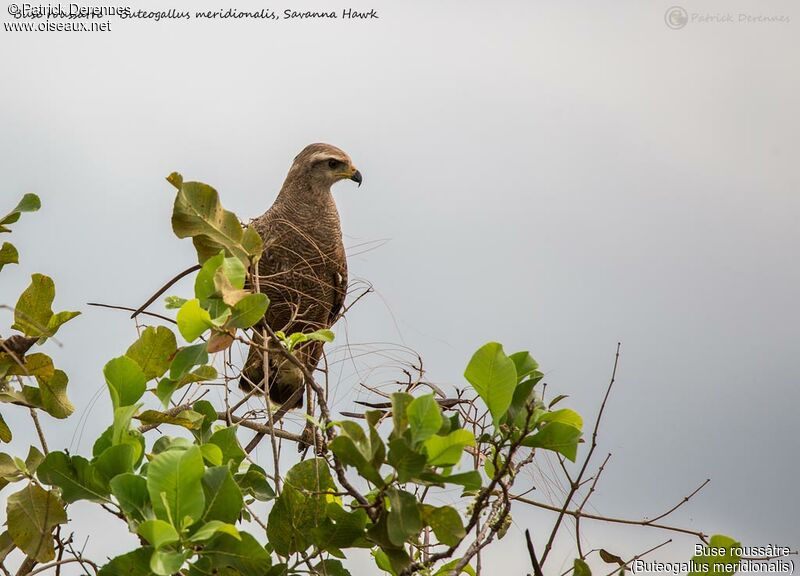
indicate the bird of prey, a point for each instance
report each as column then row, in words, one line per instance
column 303, row 269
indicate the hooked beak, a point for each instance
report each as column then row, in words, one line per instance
column 356, row 177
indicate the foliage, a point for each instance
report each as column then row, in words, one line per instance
column 187, row 497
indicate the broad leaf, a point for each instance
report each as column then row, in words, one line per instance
column 53, row 393
column 8, row 254
column 136, row 563
column 556, row 436
column 126, row 381
column 226, row 555
column 193, row 320
column 248, row 311
column 158, row 532
column 227, row 441
column 223, row 496
column 173, row 482
column 32, row 513
column 408, row 463
column 404, row 519
column 153, row 351
column 198, row 213
column 494, row 377
column 74, row 475
column 186, row 358
column 446, row 523
column 29, row 203
column 130, row 490
column 424, row 418
column 447, row 450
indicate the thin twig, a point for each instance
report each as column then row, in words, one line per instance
column 574, row 485
column 163, row 289
column 129, row 309
column 39, row 430
column 679, row 504
column 574, row 513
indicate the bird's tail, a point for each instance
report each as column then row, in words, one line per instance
column 284, row 377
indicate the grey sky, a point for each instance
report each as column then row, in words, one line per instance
column 557, row 176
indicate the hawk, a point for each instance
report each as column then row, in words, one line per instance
column 303, row 269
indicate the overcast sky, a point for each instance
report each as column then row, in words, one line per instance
column 557, row 176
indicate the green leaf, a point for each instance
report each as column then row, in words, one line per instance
column 230, row 291
column 153, row 351
column 53, row 392
column 248, row 311
column 446, row 523
column 211, row 529
column 6, row 545
column 32, row 514
column 212, row 454
column 447, row 569
column 556, row 436
column 581, row 568
column 186, row 358
column 447, row 450
column 524, row 364
column 404, row 520
column 424, row 418
column 36, row 364
column 330, row 567
column 59, row 318
column 74, row 475
column 29, row 203
column 136, row 563
column 228, row 556
column 158, row 532
column 400, row 402
column 471, row 481
column 115, row 460
column 33, row 309
column 126, row 381
column 223, row 496
column 719, row 556
column 345, row 449
column 253, row 482
column 8, row 255
column 208, row 411
column 188, row 419
column 204, row 281
column 174, row 302
column 300, row 508
column 193, row 320
column 5, row 431
column 408, row 463
column 167, row 563
column 291, row 520
column 9, row 469
column 130, row 490
column 342, row 530
column 311, row 475
column 33, row 314
column 226, row 439
column 565, row 416
column 198, row 213
column 122, row 424
column 321, row 335
column 173, row 482
column 494, row 377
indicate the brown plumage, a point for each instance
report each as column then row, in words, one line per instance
column 303, row 269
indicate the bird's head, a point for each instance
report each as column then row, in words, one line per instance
column 324, row 165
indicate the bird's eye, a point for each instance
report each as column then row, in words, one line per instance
column 333, row 164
